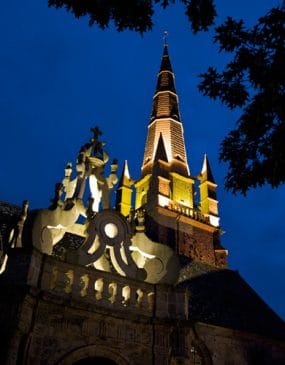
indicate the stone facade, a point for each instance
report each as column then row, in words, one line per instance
column 55, row 312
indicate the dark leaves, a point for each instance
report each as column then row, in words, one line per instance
column 226, row 86
column 201, row 14
column 255, row 81
column 128, row 14
column 231, row 34
column 136, row 15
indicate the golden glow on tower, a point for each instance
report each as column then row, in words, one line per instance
column 172, row 134
column 182, row 190
column 166, row 195
column 165, row 121
column 208, row 198
column 124, row 192
column 142, row 188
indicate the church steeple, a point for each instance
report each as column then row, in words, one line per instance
column 166, row 192
column 165, row 101
column 165, row 120
column 165, row 177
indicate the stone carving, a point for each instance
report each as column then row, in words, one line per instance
column 15, row 236
column 108, row 230
column 112, row 242
column 15, row 239
column 159, row 260
column 51, row 224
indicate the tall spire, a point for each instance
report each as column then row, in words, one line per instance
column 165, row 120
column 165, row 100
column 166, row 192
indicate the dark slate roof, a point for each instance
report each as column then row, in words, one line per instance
column 165, row 62
column 165, row 101
column 165, row 80
column 223, row 298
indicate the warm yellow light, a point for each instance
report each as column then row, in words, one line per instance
column 214, row 221
column 4, row 263
column 163, row 201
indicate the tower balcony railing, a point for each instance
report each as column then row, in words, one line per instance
column 189, row 212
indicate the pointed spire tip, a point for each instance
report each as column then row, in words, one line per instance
column 165, row 35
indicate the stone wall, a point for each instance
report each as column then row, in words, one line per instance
column 56, row 315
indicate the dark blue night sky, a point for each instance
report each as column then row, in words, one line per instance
column 60, row 77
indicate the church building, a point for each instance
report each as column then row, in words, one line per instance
column 142, row 281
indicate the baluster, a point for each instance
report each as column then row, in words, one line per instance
column 142, row 300
column 133, row 297
column 105, row 293
column 91, row 292
column 112, row 292
column 76, row 285
column 126, row 292
column 62, row 282
column 98, row 288
column 84, row 281
column 119, row 300
column 139, row 298
column 69, row 278
column 144, row 305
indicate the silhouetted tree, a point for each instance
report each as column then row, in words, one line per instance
column 136, row 14
column 253, row 81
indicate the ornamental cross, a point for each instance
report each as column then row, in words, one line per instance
column 97, row 146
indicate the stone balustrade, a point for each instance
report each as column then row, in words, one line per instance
column 189, row 212
column 91, row 286
column 85, row 285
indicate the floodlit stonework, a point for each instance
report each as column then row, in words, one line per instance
column 143, row 283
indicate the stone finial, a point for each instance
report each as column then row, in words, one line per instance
column 56, row 200
column 16, row 233
column 51, row 224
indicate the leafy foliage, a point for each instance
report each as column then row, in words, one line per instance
column 136, row 15
column 254, row 81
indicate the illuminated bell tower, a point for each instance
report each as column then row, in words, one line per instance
column 165, row 171
column 166, row 190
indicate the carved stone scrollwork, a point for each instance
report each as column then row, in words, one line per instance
column 50, row 225
column 109, row 230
